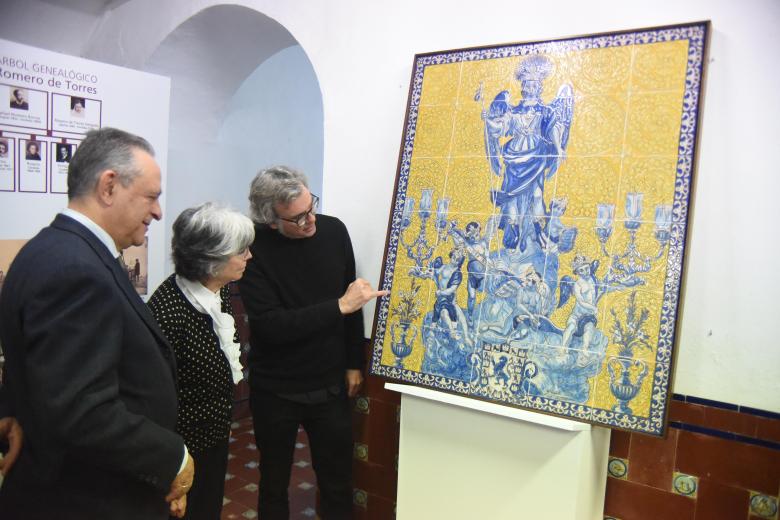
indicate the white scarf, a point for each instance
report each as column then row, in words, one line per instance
column 210, row 303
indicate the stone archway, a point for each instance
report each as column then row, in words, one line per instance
column 242, row 93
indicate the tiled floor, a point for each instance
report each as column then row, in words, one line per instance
column 242, row 477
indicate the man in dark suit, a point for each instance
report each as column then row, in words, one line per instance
column 89, row 376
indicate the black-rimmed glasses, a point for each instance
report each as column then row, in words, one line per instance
column 301, row 219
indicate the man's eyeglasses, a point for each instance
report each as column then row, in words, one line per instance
column 301, row 220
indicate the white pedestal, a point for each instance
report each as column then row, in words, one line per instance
column 461, row 458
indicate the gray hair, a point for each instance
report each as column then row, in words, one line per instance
column 272, row 186
column 206, row 237
column 101, row 150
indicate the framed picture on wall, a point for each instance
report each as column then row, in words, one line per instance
column 537, row 232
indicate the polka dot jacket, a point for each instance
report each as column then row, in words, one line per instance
column 205, row 384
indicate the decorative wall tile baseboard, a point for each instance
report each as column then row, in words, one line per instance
column 721, row 459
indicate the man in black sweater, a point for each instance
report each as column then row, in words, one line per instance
column 304, row 307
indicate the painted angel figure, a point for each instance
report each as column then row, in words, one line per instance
column 538, row 135
column 477, row 245
column 554, row 236
column 583, row 318
column 447, row 278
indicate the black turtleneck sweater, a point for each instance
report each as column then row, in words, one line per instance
column 299, row 339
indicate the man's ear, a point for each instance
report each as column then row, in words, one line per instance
column 273, row 225
column 107, row 185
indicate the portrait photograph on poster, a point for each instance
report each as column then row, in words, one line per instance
column 32, row 151
column 75, row 114
column 61, row 154
column 19, row 99
column 78, row 106
column 24, row 107
column 7, row 164
column 32, row 166
column 538, row 226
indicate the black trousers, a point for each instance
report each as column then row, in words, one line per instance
column 204, row 500
column 329, row 428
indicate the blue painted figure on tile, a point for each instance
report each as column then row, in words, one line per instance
column 554, row 236
column 538, row 135
column 583, row 318
column 448, row 278
column 445, row 327
column 497, row 323
column 477, row 246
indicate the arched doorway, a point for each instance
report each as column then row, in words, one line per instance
column 244, row 96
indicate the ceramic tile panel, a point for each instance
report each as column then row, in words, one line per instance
column 617, row 468
column 716, row 501
column 763, row 506
column 732, row 463
column 684, row 412
column 607, row 113
column 360, row 451
column 730, row 421
column 375, row 479
column 619, row 443
column 362, row 405
column 360, row 498
column 685, row 485
column 626, row 499
column 767, row 428
column 537, row 234
column 374, row 387
column 440, row 85
column 709, row 456
column 383, row 435
column 652, row 460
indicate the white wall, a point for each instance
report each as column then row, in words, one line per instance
column 275, row 117
column 362, row 54
column 244, row 95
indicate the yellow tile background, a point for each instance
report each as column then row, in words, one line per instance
column 624, row 138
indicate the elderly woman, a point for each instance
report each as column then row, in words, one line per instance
column 210, row 250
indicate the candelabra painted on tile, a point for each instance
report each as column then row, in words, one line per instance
column 625, row 267
column 419, row 249
column 403, row 331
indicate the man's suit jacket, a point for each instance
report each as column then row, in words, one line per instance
column 91, row 378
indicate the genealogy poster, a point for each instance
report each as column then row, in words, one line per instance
column 48, row 102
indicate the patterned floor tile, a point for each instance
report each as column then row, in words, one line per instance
column 241, row 481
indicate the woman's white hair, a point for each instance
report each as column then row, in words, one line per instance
column 205, row 237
